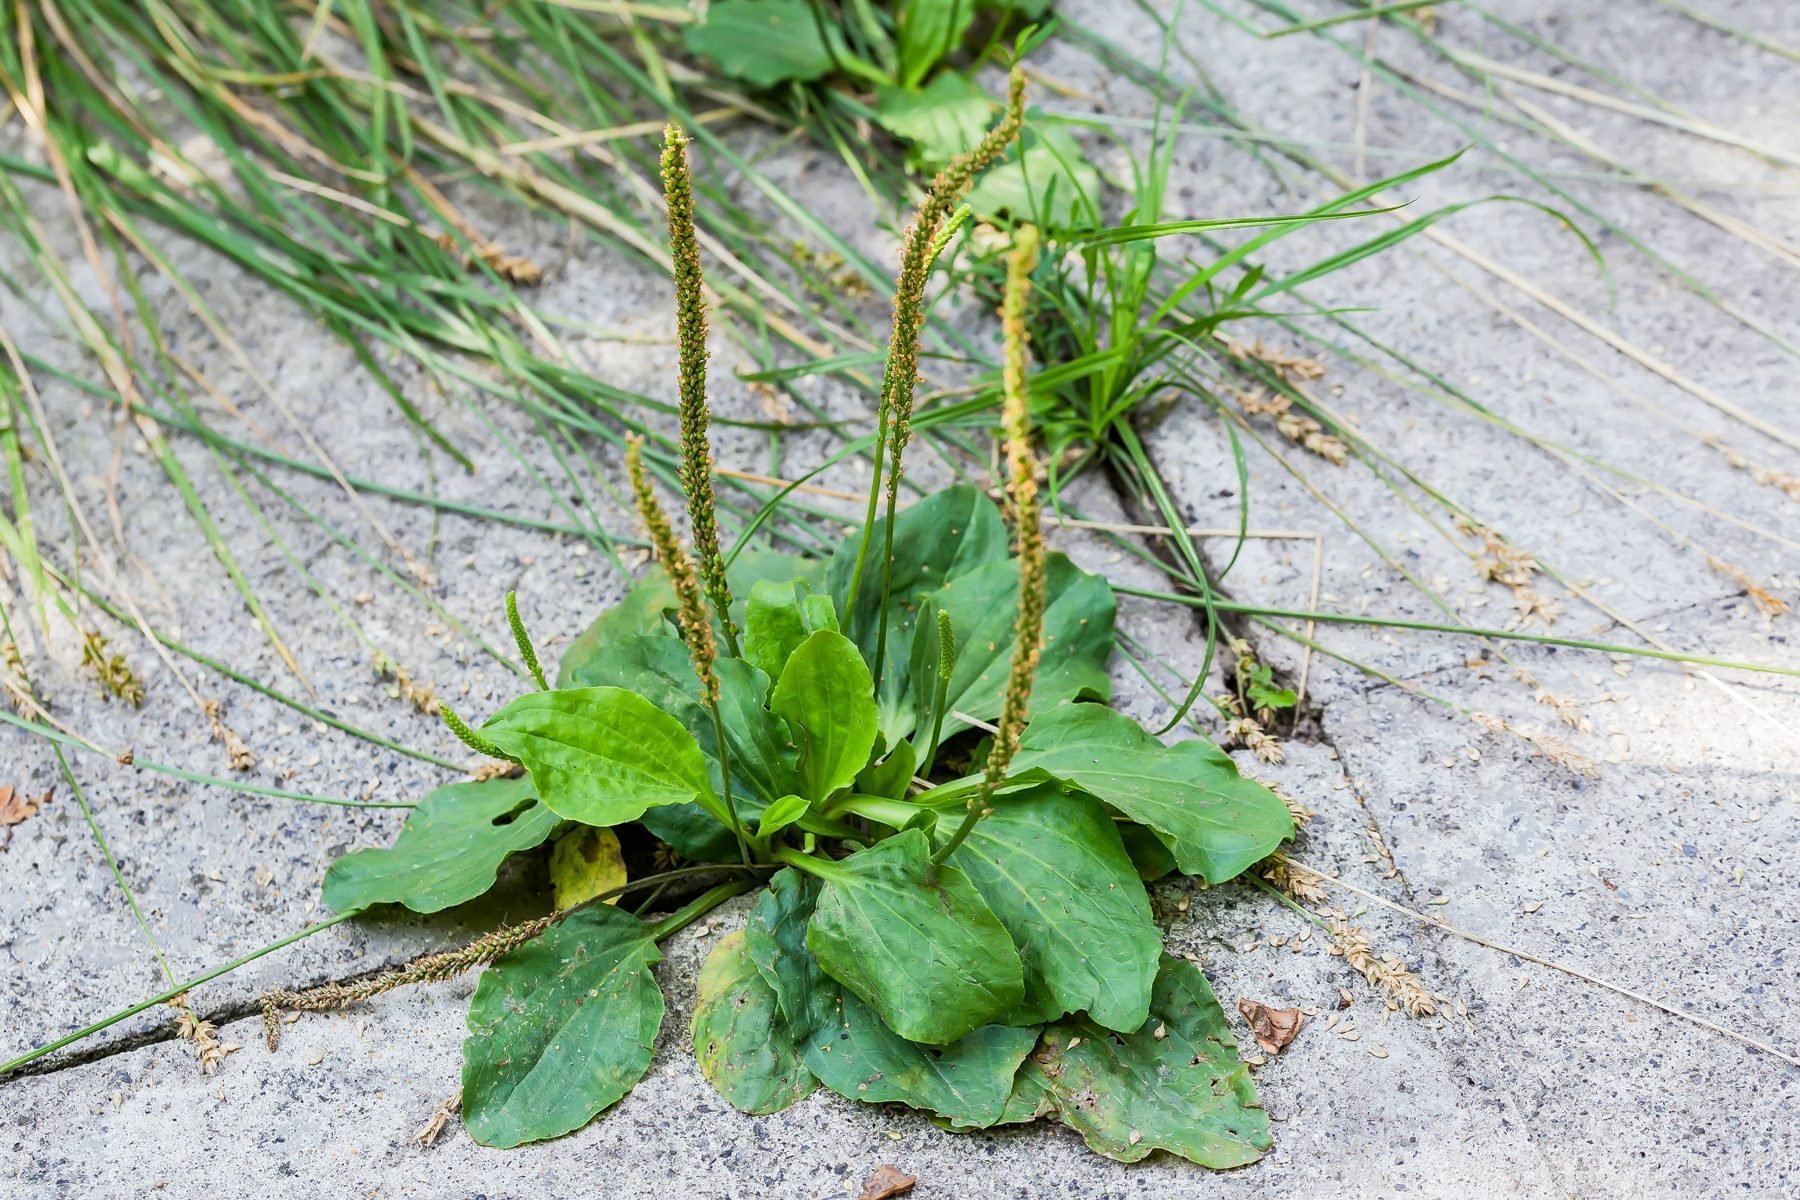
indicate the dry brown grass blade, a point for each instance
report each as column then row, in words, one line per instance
column 1568, row 312
column 1743, row 230
column 590, row 137
column 1613, row 338
column 245, row 362
column 1674, row 118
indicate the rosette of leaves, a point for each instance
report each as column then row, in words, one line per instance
column 947, row 918
column 1027, row 978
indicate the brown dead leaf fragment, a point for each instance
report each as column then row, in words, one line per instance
column 15, row 808
column 1272, row 1027
column 885, row 1182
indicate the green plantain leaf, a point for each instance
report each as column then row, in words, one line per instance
column 1050, row 864
column 845, row 1045
column 648, row 610
column 983, row 608
column 1050, row 184
column 927, row 31
column 775, row 937
column 763, row 42
column 643, row 612
column 824, row 696
column 778, row 617
column 781, row 814
column 1215, row 821
column 762, row 760
column 1026, row 1103
column 931, row 958
column 560, row 1028
column 941, row 120
column 449, row 850
column 1148, row 854
column 1183, row 1091
column 942, row 537
column 741, row 1041
column 892, row 775
column 601, row 755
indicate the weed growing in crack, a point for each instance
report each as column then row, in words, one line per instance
column 933, row 904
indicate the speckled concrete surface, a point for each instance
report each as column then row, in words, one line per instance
column 1669, row 871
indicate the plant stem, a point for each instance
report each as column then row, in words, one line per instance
column 975, row 812
column 737, row 827
column 699, row 906
column 809, row 863
column 1022, row 494
column 941, row 694
column 868, row 530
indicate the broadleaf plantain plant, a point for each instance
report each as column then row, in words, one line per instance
column 948, row 920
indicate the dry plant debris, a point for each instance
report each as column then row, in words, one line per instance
column 514, row 268
column 1244, row 730
column 1273, row 1028
column 1298, row 884
column 1297, row 428
column 1767, row 602
column 16, row 807
column 1389, row 972
column 1543, row 744
column 885, row 1182
column 434, row 1128
column 203, row 1035
column 114, row 672
column 241, row 757
column 420, row 696
column 1513, row 568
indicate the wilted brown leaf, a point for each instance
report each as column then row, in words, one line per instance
column 887, row 1181
column 1272, row 1027
column 15, row 808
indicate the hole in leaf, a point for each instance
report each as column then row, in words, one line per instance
column 514, row 813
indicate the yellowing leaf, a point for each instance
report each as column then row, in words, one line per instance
column 741, row 1040
column 585, row 862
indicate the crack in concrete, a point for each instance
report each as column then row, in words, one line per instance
column 125, row 1043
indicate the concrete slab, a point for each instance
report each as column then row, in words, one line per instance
column 1549, row 1087
column 337, row 1107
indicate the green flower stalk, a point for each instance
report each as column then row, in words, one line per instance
column 893, row 422
column 941, row 694
column 469, row 737
column 1022, row 501
column 922, row 247
column 522, row 639
column 690, row 332
column 691, row 614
